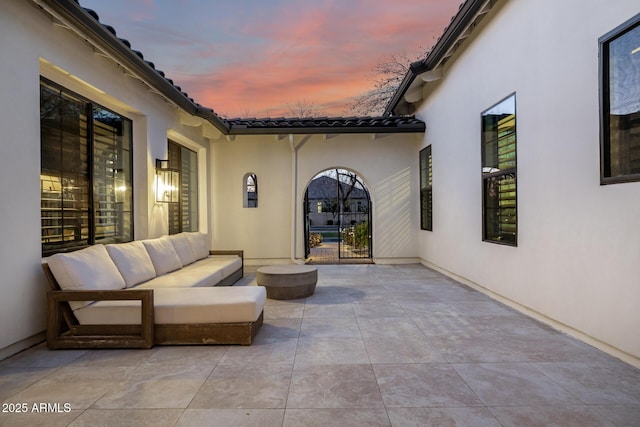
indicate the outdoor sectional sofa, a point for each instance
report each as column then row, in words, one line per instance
column 168, row 290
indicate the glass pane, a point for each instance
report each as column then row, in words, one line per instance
column 426, row 198
column 112, row 195
column 64, row 177
column 183, row 216
column 426, row 201
column 499, row 137
column 624, row 105
column 189, row 199
column 500, row 220
column 174, row 209
column 252, row 191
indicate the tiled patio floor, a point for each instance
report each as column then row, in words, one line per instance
column 375, row 346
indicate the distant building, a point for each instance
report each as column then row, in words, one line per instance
column 333, row 202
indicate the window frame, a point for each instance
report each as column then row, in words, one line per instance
column 426, row 189
column 93, row 182
column 604, row 93
column 500, row 173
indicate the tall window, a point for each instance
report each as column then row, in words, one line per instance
column 499, row 173
column 250, row 191
column 85, row 172
column 620, row 104
column 183, row 216
column 426, row 193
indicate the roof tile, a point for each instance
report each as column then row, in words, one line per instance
column 326, row 125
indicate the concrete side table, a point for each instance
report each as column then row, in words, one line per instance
column 288, row 281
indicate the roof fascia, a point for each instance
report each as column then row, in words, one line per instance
column 416, row 128
column 75, row 15
column 465, row 16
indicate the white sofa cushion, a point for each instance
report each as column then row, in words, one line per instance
column 187, row 277
column 228, row 264
column 163, row 255
column 87, row 269
column 182, row 306
column 199, row 244
column 183, row 248
column 133, row 262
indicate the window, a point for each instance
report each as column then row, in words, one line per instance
column 500, row 220
column 85, row 172
column 426, row 193
column 620, row 104
column 250, row 193
column 183, row 216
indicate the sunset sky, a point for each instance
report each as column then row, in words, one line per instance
column 253, row 57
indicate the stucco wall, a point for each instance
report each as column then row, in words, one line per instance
column 32, row 46
column 385, row 163
column 578, row 242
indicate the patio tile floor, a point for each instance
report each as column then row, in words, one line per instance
column 376, row 345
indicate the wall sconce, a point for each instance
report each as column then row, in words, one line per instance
column 167, row 183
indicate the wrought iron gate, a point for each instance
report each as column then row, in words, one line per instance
column 337, row 217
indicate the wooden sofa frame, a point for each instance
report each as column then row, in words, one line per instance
column 64, row 330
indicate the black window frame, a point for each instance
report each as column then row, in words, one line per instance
column 93, row 200
column 604, row 43
column 490, row 176
column 426, row 189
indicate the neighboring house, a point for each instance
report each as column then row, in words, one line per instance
column 334, row 202
column 504, row 191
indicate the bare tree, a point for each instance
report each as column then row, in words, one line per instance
column 389, row 74
column 302, row 108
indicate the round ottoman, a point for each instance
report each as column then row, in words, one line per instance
column 288, row 281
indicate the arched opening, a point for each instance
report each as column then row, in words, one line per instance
column 337, row 218
column 250, row 190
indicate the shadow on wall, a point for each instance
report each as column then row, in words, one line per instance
column 158, row 221
column 393, row 215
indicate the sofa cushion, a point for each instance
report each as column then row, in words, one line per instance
column 183, row 306
column 133, row 262
column 199, row 244
column 87, row 269
column 183, row 248
column 187, row 277
column 228, row 264
column 163, row 255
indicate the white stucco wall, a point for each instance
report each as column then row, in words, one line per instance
column 32, row 46
column 385, row 163
column 578, row 242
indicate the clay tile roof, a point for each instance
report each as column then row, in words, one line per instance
column 270, row 125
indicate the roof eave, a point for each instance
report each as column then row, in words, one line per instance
column 465, row 16
column 86, row 24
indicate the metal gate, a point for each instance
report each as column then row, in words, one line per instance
column 338, row 208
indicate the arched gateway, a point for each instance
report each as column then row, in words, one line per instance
column 337, row 218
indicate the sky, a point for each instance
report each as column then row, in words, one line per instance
column 253, row 58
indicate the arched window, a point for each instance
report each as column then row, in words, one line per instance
column 250, row 191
